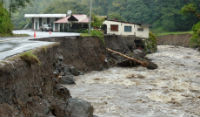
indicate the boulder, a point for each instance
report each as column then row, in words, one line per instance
column 79, row 108
column 68, row 79
column 139, row 53
column 61, row 92
column 152, row 66
column 58, row 108
column 74, row 71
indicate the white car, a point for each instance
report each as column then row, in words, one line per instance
column 46, row 27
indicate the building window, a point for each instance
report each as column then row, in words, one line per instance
column 127, row 28
column 140, row 29
column 114, row 28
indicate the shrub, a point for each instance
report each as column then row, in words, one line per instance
column 97, row 22
column 151, row 43
column 83, row 31
column 30, row 58
column 195, row 40
column 5, row 22
column 99, row 34
column 95, row 33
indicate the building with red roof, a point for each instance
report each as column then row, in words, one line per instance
column 72, row 23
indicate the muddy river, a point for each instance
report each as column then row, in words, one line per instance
column 172, row 90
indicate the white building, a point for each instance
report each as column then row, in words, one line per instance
column 112, row 27
column 59, row 22
column 40, row 19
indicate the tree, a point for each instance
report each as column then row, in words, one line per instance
column 162, row 15
column 13, row 5
column 115, row 16
column 97, row 21
column 5, row 22
column 191, row 9
column 64, row 6
column 194, row 9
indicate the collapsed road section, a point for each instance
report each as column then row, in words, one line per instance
column 32, row 83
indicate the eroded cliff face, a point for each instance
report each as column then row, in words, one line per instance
column 36, row 90
column 84, row 53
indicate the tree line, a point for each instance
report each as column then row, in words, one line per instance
column 162, row 15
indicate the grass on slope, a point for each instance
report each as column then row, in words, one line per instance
column 172, row 33
column 14, row 35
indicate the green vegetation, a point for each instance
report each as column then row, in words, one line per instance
column 151, row 44
column 30, row 58
column 85, row 34
column 35, row 6
column 13, row 5
column 5, row 22
column 164, row 16
column 13, row 35
column 5, row 16
column 97, row 21
column 95, row 33
column 195, row 40
column 173, row 33
column 193, row 8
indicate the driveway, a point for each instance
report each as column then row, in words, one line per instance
column 10, row 46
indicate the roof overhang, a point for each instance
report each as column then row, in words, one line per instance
column 75, row 18
column 140, row 24
column 44, row 15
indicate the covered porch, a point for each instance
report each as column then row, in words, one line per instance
column 73, row 23
column 70, row 27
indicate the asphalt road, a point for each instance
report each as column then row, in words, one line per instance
column 10, row 46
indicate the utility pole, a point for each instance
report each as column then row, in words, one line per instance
column 89, row 31
column 11, row 7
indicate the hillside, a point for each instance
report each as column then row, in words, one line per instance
column 161, row 15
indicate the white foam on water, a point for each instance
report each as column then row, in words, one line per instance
column 172, row 90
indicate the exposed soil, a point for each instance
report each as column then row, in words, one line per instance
column 176, row 39
column 29, row 89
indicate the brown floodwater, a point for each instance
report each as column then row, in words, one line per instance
column 172, row 90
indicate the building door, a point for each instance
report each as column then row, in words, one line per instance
column 104, row 28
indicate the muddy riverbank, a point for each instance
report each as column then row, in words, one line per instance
column 172, row 90
column 175, row 39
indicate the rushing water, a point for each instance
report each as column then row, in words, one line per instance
column 172, row 90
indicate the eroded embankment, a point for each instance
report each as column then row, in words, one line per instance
column 172, row 90
column 175, row 39
column 29, row 89
column 33, row 90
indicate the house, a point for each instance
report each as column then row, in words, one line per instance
column 112, row 27
column 75, row 22
column 59, row 22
